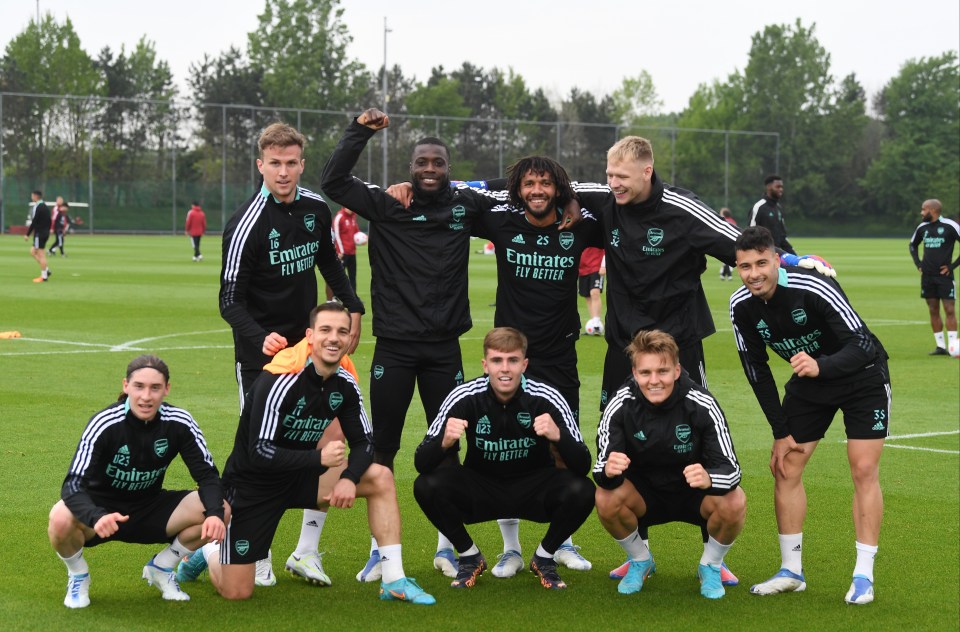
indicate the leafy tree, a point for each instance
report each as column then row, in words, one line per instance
column 918, row 159
column 46, row 136
column 636, row 100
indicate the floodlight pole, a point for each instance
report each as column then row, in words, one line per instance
column 385, row 133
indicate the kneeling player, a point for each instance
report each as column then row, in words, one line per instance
column 664, row 454
column 114, row 489
column 275, row 465
column 511, row 425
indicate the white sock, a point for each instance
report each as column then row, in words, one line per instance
column 171, row 556
column 938, row 336
column 635, row 547
column 510, row 530
column 373, row 545
column 210, row 550
column 443, row 542
column 310, row 530
column 865, row 555
column 392, row 563
column 568, row 542
column 542, row 552
column 952, row 337
column 473, row 550
column 76, row 564
column 791, row 551
column 714, row 551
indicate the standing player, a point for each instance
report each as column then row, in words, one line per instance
column 114, row 489
column 268, row 286
column 938, row 236
column 40, row 229
column 276, row 465
column 59, row 223
column 656, row 240
column 768, row 212
column 418, row 281
column 196, row 226
column 838, row 364
column 591, row 273
column 511, row 426
column 664, row 454
column 344, row 240
column 536, row 293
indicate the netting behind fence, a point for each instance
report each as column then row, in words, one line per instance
column 139, row 165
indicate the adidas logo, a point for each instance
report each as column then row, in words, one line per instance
column 762, row 325
column 273, row 234
column 123, row 449
column 312, row 523
column 640, row 436
column 796, row 549
column 419, row 218
column 518, row 240
column 878, row 426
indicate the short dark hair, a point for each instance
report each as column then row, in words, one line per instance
column 539, row 165
column 37, row 192
column 433, row 140
column 329, row 306
column 280, row 135
column 755, row 238
column 771, row 178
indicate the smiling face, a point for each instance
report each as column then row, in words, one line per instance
column 505, row 369
column 775, row 190
column 655, row 374
column 539, row 194
column 145, row 389
column 281, row 168
column 629, row 179
column 329, row 339
column 759, row 270
column 430, row 168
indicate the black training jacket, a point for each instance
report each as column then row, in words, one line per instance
column 418, row 255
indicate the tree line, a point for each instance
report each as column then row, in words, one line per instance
column 843, row 163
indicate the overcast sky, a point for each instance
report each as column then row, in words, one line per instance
column 554, row 45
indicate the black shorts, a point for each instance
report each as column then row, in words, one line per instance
column 40, row 240
column 256, row 514
column 677, row 504
column 937, row 287
column 148, row 518
column 617, row 368
column 810, row 407
column 560, row 372
column 592, row 281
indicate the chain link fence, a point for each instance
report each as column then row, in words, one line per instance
column 137, row 165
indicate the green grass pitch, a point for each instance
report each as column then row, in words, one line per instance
column 117, row 296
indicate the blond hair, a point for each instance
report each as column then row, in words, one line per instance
column 631, row 148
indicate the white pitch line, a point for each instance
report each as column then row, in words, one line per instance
column 923, row 434
column 124, row 346
column 913, row 447
column 65, row 342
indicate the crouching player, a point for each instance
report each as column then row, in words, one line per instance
column 664, row 454
column 114, row 489
column 275, row 465
column 512, row 426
